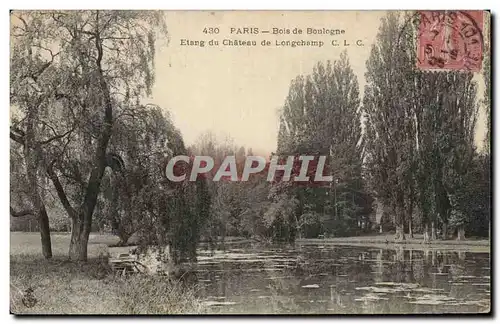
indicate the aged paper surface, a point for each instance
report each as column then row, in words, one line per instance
column 250, row 162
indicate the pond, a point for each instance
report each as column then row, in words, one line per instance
column 333, row 279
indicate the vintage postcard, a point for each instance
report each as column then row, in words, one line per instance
column 250, row 162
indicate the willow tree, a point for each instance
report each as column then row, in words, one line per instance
column 93, row 62
column 142, row 137
column 33, row 70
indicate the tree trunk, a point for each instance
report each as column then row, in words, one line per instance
column 400, row 233
column 32, row 162
column 445, row 231
column 43, row 223
column 489, row 231
column 400, row 219
column 410, row 211
column 82, row 222
column 400, row 254
column 433, row 231
column 426, row 233
column 123, row 238
column 461, row 233
column 79, row 240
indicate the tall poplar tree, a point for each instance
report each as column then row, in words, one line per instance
column 419, row 129
column 389, row 135
column 321, row 115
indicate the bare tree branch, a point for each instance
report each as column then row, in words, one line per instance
column 60, row 191
column 59, row 136
column 17, row 137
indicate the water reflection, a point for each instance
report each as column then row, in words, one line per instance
column 341, row 279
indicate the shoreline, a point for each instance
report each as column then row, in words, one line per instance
column 372, row 241
column 416, row 243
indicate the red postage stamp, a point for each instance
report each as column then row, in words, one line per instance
column 451, row 40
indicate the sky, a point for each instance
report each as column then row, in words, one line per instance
column 237, row 91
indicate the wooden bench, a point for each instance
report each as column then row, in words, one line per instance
column 126, row 264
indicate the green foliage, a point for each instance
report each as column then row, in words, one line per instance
column 390, row 130
column 470, row 197
column 143, row 138
column 236, row 208
column 321, row 115
column 281, row 218
column 74, row 74
column 420, row 128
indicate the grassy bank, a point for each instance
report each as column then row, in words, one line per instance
column 63, row 287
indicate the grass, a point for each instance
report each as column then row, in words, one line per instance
column 63, row 287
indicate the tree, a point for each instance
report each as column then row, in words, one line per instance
column 346, row 149
column 446, row 131
column 142, row 138
column 281, row 217
column 321, row 116
column 390, row 131
column 229, row 204
column 470, row 199
column 487, row 83
column 32, row 69
column 303, row 128
column 487, row 104
column 184, row 211
column 93, row 62
column 420, row 129
column 445, row 116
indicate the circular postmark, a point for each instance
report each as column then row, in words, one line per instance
column 450, row 40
